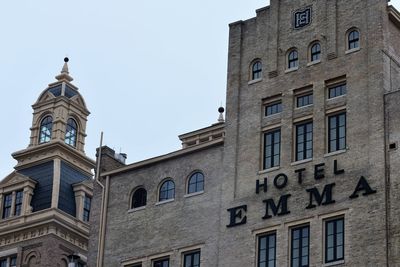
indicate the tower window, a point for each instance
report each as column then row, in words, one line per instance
column 272, row 149
column 71, row 133
column 293, row 59
column 267, row 250
column 315, row 52
column 139, row 198
column 300, row 247
column 192, row 259
column 7, row 206
column 196, row 183
column 256, row 70
column 353, row 39
column 337, row 132
column 304, row 141
column 46, row 127
column 334, row 240
column 18, row 202
column 167, row 191
column 86, row 208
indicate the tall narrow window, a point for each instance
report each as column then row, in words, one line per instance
column 337, row 132
column 196, row 183
column 3, row 263
column 7, row 206
column 192, row 259
column 139, row 198
column 167, row 190
column 315, row 52
column 161, row 263
column 272, row 148
column 353, row 39
column 71, row 132
column 256, row 71
column 334, row 240
column 304, row 141
column 86, row 208
column 293, row 59
column 300, row 247
column 13, row 261
column 267, row 250
column 46, row 127
column 18, row 202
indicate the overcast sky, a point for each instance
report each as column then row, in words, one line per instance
column 148, row 70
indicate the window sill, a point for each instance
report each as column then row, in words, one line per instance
column 254, row 81
column 273, row 116
column 335, row 153
column 309, row 105
column 352, row 50
column 194, row 194
column 301, row 162
column 136, row 209
column 165, row 201
column 313, row 63
column 333, row 263
column 269, row 170
column 336, row 97
column 291, row 69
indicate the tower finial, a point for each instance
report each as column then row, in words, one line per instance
column 64, row 72
column 221, row 114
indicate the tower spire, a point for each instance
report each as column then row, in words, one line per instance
column 64, row 75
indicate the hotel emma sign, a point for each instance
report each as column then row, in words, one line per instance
column 316, row 197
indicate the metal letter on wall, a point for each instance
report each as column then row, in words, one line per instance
column 302, row 17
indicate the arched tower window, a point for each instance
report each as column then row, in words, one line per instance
column 195, row 183
column 139, row 198
column 167, row 191
column 71, row 132
column 256, row 70
column 46, row 127
column 353, row 40
column 293, row 59
column 315, row 52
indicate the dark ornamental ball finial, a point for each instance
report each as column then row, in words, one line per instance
column 66, row 59
column 221, row 110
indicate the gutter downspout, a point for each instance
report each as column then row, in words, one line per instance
column 100, row 253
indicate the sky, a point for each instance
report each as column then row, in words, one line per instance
column 148, row 70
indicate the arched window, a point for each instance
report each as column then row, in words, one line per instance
column 315, row 52
column 256, row 70
column 71, row 132
column 195, row 183
column 46, row 127
column 293, row 59
column 139, row 198
column 167, row 191
column 353, row 39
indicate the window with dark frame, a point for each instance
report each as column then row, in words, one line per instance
column 167, row 190
column 7, row 206
column 293, row 59
column 86, row 208
column 191, row 259
column 300, row 243
column 304, row 100
column 136, row 265
column 13, row 261
column 71, row 133
column 18, row 202
column 315, row 52
column 195, row 183
column 161, row 263
column 46, row 127
column 256, row 70
column 334, row 240
column 304, row 141
column 267, row 250
column 337, row 132
column 353, row 39
column 273, row 108
column 337, row 90
column 272, row 149
column 139, row 198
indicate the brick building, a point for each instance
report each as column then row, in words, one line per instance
column 45, row 201
column 303, row 172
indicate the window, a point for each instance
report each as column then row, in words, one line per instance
column 293, row 59
column 315, row 52
column 256, row 70
column 337, row 90
column 191, row 259
column 267, row 250
column 86, row 208
column 304, row 100
column 71, row 133
column 161, row 263
column 334, row 240
column 272, row 148
column 136, row 265
column 196, row 183
column 46, row 127
column 300, row 246
column 18, row 202
column 167, row 190
column 7, row 206
column 273, row 108
column 3, row 263
column 139, row 198
column 304, row 141
column 337, row 132
column 353, row 40
column 12, row 260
